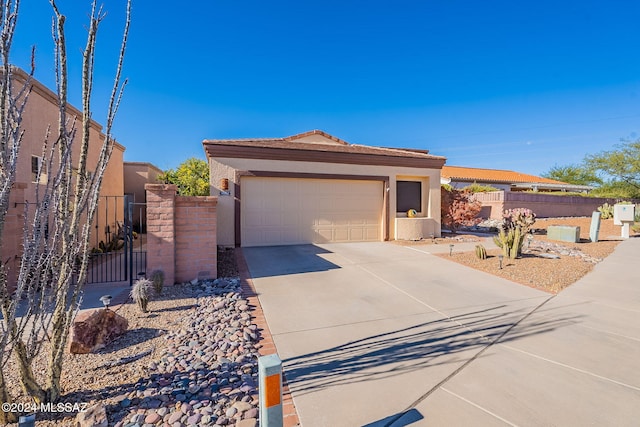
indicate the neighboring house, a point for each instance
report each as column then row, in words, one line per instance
column 41, row 112
column 316, row 188
column 519, row 190
column 459, row 177
column 136, row 175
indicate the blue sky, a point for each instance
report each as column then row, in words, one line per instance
column 495, row 84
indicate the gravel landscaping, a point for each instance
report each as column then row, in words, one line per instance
column 551, row 275
column 192, row 360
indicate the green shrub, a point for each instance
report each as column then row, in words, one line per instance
column 479, row 188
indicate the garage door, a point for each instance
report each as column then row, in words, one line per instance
column 286, row 211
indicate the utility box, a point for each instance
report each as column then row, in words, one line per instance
column 565, row 233
column 623, row 213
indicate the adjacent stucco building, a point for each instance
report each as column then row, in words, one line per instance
column 136, row 175
column 41, row 112
column 316, row 188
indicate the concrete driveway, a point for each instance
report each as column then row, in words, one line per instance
column 377, row 334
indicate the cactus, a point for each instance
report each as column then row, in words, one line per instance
column 481, row 252
column 157, row 277
column 516, row 224
column 606, row 211
column 140, row 293
column 510, row 241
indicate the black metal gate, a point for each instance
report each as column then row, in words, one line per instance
column 119, row 250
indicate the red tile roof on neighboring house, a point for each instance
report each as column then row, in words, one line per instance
column 458, row 173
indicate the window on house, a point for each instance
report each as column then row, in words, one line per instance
column 36, row 168
column 408, row 196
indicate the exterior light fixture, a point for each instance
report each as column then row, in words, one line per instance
column 224, row 187
column 450, row 249
column 500, row 258
column 106, row 300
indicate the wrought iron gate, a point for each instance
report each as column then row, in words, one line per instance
column 119, row 250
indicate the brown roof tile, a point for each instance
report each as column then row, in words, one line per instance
column 333, row 145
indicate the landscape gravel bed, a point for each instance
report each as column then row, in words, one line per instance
column 199, row 352
column 572, row 260
column 207, row 375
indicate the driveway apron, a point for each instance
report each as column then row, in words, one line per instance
column 378, row 334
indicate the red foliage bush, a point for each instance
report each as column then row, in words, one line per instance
column 458, row 209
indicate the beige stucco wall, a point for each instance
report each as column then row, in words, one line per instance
column 136, row 175
column 40, row 115
column 226, row 168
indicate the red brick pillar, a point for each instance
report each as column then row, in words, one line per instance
column 196, row 249
column 161, row 237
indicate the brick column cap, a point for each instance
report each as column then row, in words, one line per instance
column 161, row 187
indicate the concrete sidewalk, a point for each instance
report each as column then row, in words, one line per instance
column 380, row 334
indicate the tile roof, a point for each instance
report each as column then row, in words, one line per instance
column 458, row 173
column 332, row 144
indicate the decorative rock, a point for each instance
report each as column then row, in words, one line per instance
column 94, row 329
column 208, row 371
column 242, row 406
column 137, row 419
column 152, row 418
column 251, row 413
column 247, row 422
column 194, row 419
column 94, row 416
column 176, row 416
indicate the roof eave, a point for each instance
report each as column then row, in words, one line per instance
column 291, row 154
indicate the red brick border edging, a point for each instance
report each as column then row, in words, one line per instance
column 290, row 415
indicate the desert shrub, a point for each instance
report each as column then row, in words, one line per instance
column 458, row 208
column 562, row 193
column 479, row 188
column 157, row 277
column 141, row 293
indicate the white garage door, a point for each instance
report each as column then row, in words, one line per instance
column 286, row 211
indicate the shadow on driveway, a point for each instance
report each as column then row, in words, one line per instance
column 409, row 349
column 271, row 261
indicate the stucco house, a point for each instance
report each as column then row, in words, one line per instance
column 507, row 180
column 316, row 188
column 40, row 112
column 136, row 175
